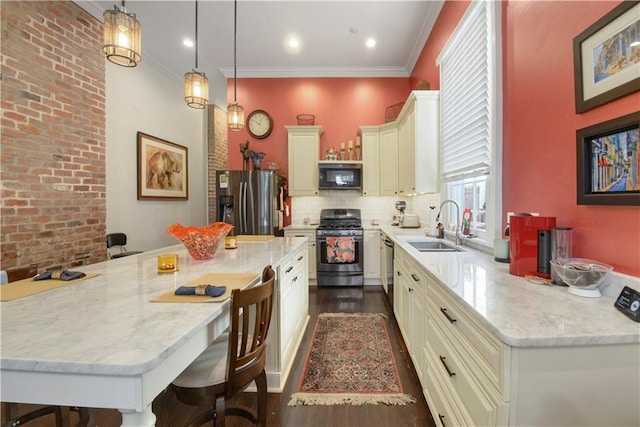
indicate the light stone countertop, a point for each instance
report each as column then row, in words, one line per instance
column 522, row 314
column 107, row 324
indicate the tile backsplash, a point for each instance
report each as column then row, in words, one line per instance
column 380, row 208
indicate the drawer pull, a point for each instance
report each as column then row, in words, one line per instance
column 442, row 420
column 300, row 257
column 416, row 278
column 288, row 269
column 295, row 279
column 398, row 273
column 442, row 359
column 410, row 289
column 449, row 318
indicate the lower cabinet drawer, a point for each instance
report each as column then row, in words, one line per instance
column 440, row 402
column 482, row 407
column 482, row 347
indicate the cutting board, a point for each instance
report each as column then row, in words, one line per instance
column 230, row 280
column 254, row 238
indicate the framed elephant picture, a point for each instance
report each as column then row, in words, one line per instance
column 162, row 169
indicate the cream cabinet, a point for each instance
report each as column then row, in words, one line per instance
column 304, row 148
column 311, row 245
column 371, row 255
column 370, row 140
column 418, row 142
column 389, row 160
column 406, row 161
column 290, row 318
column 471, row 377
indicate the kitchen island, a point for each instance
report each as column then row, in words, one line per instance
column 102, row 343
column 491, row 348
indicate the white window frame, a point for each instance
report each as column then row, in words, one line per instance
column 490, row 10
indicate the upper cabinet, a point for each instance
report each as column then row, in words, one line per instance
column 304, row 148
column 418, row 143
column 401, row 157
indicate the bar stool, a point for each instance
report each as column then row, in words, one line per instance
column 233, row 361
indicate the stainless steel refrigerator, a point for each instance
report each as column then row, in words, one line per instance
column 249, row 200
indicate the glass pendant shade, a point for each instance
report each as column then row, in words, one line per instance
column 235, row 117
column 196, row 89
column 122, row 38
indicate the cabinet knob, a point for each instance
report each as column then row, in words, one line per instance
column 410, row 289
column 441, row 417
column 416, row 278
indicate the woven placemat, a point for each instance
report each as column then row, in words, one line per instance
column 230, row 280
column 26, row 287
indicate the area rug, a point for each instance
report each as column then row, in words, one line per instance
column 350, row 362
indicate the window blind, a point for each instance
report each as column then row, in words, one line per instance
column 465, row 96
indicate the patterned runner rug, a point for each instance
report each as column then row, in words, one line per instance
column 350, row 362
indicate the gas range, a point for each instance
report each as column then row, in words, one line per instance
column 340, row 222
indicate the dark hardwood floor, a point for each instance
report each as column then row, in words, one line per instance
column 321, row 300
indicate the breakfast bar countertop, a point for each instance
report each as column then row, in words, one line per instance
column 107, row 324
column 520, row 313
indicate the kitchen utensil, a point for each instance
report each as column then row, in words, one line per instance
column 582, row 275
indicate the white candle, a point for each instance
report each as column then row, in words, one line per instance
column 342, row 145
column 357, row 141
column 350, row 144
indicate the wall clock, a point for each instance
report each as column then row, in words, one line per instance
column 259, row 124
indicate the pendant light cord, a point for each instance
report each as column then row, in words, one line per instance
column 196, row 34
column 235, row 25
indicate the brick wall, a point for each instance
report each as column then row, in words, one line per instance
column 217, row 152
column 52, row 156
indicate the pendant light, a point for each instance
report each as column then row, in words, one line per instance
column 196, row 84
column 235, row 112
column 122, row 37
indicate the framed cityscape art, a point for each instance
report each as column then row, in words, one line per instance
column 606, row 57
column 162, row 169
column 608, row 164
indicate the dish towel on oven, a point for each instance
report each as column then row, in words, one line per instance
column 341, row 250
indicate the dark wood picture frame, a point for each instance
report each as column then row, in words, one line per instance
column 608, row 163
column 609, row 34
column 163, row 169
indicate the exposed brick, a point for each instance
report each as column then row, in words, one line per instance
column 53, row 209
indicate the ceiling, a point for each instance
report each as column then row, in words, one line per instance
column 332, row 35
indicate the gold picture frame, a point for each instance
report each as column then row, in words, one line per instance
column 162, row 169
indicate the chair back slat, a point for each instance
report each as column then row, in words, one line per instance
column 250, row 320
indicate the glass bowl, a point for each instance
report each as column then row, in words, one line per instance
column 201, row 242
column 582, row 275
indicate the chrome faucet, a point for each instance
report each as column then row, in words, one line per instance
column 458, row 238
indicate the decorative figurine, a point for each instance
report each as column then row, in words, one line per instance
column 246, row 153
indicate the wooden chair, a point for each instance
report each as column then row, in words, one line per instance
column 10, row 415
column 118, row 240
column 232, row 362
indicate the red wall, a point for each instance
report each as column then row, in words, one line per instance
column 339, row 104
column 539, row 141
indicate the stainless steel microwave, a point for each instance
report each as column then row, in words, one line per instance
column 339, row 176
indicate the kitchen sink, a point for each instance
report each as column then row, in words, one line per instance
column 431, row 246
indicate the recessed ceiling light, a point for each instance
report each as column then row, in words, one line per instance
column 187, row 42
column 371, row 42
column 294, row 42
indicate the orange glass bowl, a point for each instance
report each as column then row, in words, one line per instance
column 201, row 242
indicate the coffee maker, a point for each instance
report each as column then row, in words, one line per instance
column 530, row 244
